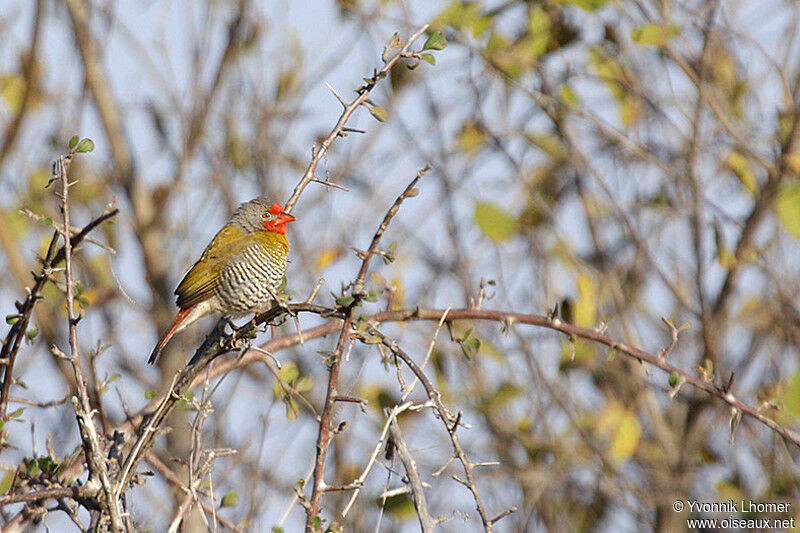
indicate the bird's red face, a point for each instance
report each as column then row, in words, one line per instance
column 275, row 219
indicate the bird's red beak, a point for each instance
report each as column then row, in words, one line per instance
column 284, row 217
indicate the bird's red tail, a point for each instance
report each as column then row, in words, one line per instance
column 163, row 342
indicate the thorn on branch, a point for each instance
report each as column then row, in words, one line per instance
column 502, row 515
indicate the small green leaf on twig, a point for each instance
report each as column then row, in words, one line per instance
column 16, row 413
column 12, row 319
column 73, row 142
column 378, row 112
column 86, row 145
column 673, row 378
column 47, row 221
column 230, row 499
column 150, row 394
column 429, row 58
column 435, row 42
column 345, row 301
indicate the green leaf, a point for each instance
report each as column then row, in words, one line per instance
column 673, row 379
column 429, row 58
column 7, row 482
column 12, row 319
column 292, row 409
column 288, row 373
column 788, row 208
column 150, row 394
column 494, row 222
column 436, row 41
column 31, row 334
column 77, row 290
column 470, row 346
column 86, row 145
column 16, row 413
column 401, row 506
column 47, row 221
column 345, row 301
column 378, row 112
column 304, row 384
column 73, row 142
column 654, row 34
column 230, row 499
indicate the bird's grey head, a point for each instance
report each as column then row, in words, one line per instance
column 250, row 214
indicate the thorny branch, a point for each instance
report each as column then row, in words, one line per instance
column 93, row 450
column 191, row 378
column 325, row 423
column 450, row 422
column 339, row 129
column 53, row 257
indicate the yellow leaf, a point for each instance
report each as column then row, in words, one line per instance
column 585, row 308
column 398, row 293
column 575, row 354
column 622, row 429
column 626, row 438
column 326, row 257
column 471, row 137
column 568, row 95
column 551, row 145
column 791, row 400
column 12, row 90
column 629, row 110
column 654, row 34
column 738, row 164
column 494, row 222
column 788, row 208
column 793, row 162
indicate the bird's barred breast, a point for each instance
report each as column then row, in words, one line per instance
column 249, row 280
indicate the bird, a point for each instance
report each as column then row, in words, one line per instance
column 240, row 270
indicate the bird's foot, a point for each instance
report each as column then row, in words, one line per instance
column 245, row 331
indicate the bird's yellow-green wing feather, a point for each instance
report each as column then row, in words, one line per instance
column 200, row 281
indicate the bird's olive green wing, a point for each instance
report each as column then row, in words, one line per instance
column 200, row 281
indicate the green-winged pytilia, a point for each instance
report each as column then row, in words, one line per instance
column 240, row 270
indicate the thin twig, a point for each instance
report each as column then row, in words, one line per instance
column 450, row 425
column 426, row 521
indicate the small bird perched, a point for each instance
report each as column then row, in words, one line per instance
column 240, row 270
